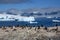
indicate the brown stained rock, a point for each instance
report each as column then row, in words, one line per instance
column 11, row 27
column 58, row 28
column 14, row 29
column 6, row 30
column 3, row 28
column 1, row 39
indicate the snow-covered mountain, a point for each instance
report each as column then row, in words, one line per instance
column 26, row 13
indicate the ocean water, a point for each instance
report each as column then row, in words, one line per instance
column 46, row 22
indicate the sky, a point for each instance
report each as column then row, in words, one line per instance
column 26, row 4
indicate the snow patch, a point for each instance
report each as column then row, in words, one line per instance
column 49, row 17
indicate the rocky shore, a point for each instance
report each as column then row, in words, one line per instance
column 29, row 33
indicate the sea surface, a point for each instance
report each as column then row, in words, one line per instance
column 46, row 22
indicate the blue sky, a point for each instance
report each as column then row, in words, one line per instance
column 31, row 4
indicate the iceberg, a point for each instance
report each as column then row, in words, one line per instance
column 7, row 17
column 26, row 19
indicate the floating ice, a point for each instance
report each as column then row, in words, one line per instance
column 33, row 22
column 56, row 20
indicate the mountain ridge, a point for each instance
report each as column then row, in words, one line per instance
column 34, row 12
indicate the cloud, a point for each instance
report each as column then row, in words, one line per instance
column 13, row 1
